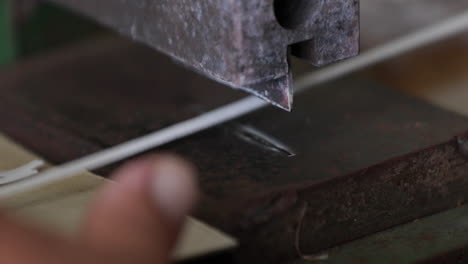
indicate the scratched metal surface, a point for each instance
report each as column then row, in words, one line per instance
column 238, row 43
column 441, row 238
column 362, row 151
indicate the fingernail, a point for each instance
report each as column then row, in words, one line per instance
column 174, row 187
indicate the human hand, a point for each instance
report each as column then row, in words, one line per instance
column 135, row 220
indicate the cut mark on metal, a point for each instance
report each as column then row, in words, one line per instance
column 462, row 144
column 261, row 139
column 297, row 241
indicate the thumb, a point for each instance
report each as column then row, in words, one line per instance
column 140, row 216
column 22, row 244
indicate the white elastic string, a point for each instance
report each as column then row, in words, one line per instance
column 431, row 34
column 21, row 173
column 239, row 108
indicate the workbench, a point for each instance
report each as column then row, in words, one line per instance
column 366, row 158
column 369, row 173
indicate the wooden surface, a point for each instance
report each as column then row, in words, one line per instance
column 367, row 158
column 437, row 73
column 386, row 20
column 61, row 207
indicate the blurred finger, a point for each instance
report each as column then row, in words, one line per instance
column 140, row 216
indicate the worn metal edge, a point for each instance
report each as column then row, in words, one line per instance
column 412, row 186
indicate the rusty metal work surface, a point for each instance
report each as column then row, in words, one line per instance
column 441, row 238
column 242, row 43
column 355, row 157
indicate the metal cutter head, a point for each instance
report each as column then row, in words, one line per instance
column 242, row 43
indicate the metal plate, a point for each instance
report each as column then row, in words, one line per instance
column 239, row 43
column 366, row 157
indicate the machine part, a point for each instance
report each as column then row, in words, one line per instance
column 243, row 107
column 243, row 44
column 378, row 154
column 439, row 238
